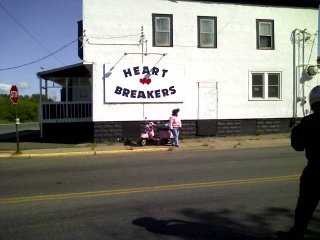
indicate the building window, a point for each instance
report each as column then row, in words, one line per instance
column 265, row 86
column 257, row 85
column 207, row 32
column 265, row 34
column 162, row 28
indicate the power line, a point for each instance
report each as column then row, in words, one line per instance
column 112, row 37
column 40, row 59
column 29, row 33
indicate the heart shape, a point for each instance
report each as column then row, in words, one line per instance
column 145, row 80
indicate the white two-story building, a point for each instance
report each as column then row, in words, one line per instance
column 232, row 67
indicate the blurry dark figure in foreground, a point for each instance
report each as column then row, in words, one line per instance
column 306, row 137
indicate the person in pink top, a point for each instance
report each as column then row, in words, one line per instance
column 175, row 124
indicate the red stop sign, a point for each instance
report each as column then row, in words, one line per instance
column 14, row 94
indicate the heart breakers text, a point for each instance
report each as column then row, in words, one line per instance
column 125, row 92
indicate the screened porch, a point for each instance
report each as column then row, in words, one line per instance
column 66, row 94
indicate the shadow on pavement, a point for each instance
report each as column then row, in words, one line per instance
column 34, row 136
column 220, row 225
column 25, row 136
column 30, row 139
column 189, row 230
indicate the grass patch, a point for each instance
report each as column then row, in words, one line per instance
column 16, row 153
column 257, row 138
column 108, row 143
column 92, row 146
column 6, row 122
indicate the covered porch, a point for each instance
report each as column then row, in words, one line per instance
column 65, row 104
column 66, row 94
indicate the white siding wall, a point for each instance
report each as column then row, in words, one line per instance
column 228, row 66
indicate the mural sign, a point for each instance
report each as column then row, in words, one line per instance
column 143, row 84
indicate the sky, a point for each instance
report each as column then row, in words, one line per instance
column 32, row 30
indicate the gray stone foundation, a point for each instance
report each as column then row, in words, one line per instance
column 119, row 131
column 110, row 131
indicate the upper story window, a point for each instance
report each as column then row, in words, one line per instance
column 265, row 34
column 265, row 86
column 162, row 29
column 207, row 32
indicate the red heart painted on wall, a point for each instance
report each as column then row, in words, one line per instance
column 145, row 80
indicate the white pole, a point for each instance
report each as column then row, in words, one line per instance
column 318, row 58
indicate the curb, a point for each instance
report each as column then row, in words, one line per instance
column 85, row 153
column 233, row 145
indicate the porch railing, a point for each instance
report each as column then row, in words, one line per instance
column 67, row 112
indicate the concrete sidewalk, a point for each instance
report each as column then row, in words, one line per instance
column 206, row 143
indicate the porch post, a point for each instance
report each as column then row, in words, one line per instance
column 40, row 113
column 67, row 97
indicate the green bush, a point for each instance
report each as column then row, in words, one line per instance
column 27, row 108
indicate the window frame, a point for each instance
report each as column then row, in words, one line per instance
column 265, row 86
column 214, row 19
column 154, row 17
column 258, row 35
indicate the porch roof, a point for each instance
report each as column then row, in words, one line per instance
column 80, row 70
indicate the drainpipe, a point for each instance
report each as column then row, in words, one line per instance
column 318, row 58
column 294, row 75
column 296, row 70
column 303, row 85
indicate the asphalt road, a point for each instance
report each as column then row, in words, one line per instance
column 29, row 136
column 11, row 128
column 27, row 132
column 236, row 194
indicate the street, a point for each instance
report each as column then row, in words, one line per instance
column 236, row 194
column 27, row 131
column 11, row 127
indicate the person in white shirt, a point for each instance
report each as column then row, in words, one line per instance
column 175, row 124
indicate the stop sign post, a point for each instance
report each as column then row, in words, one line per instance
column 14, row 96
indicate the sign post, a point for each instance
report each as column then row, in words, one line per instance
column 14, row 96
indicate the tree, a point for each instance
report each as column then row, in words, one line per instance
column 27, row 108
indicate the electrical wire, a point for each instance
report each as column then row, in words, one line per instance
column 87, row 37
column 308, row 39
column 113, row 44
column 111, row 37
column 40, row 59
column 29, row 33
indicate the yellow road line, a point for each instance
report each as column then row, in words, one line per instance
column 144, row 189
column 81, row 153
